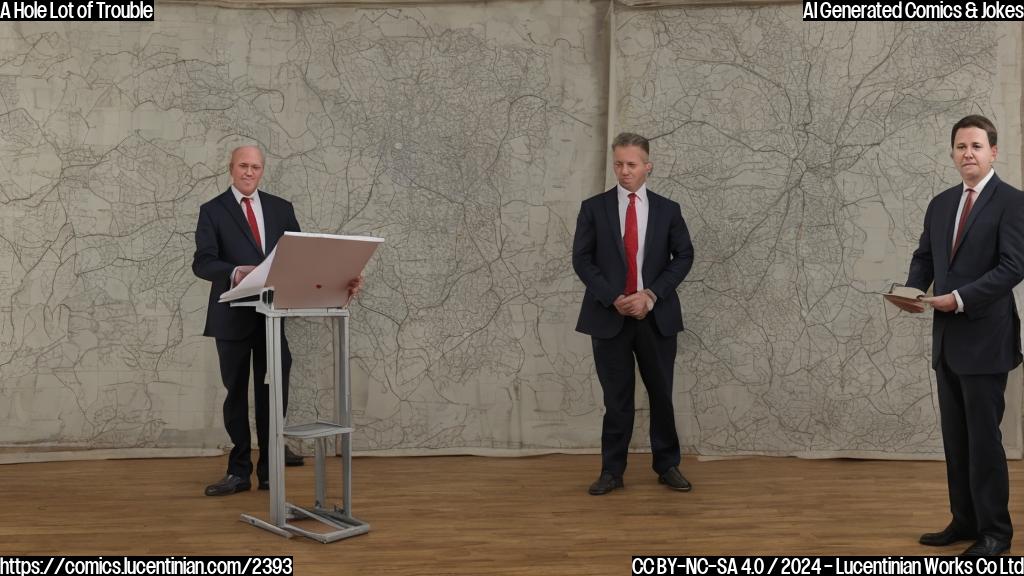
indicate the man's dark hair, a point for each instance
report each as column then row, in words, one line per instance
column 631, row 139
column 975, row 121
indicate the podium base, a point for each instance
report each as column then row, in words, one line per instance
column 250, row 519
column 345, row 526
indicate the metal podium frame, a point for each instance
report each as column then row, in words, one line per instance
column 340, row 519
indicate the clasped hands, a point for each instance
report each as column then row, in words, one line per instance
column 636, row 305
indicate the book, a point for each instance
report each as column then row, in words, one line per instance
column 904, row 295
column 308, row 270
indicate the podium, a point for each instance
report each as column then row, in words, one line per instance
column 308, row 288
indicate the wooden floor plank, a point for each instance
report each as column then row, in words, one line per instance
column 472, row 515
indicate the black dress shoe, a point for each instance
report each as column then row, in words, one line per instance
column 675, row 480
column 605, row 484
column 987, row 546
column 229, row 484
column 291, row 458
column 948, row 535
column 263, row 485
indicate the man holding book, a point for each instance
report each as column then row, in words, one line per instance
column 972, row 248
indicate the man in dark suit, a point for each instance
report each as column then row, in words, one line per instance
column 236, row 230
column 631, row 250
column 972, row 248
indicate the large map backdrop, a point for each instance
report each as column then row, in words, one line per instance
column 466, row 135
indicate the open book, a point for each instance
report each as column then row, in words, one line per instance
column 308, row 270
column 899, row 294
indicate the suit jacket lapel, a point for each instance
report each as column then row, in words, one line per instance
column 612, row 210
column 653, row 203
column 270, row 225
column 984, row 197
column 235, row 210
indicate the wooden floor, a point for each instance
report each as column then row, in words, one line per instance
column 471, row 515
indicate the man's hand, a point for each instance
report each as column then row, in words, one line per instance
column 620, row 305
column 944, row 303
column 912, row 307
column 240, row 273
column 634, row 305
column 355, row 287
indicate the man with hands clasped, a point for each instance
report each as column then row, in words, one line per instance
column 632, row 250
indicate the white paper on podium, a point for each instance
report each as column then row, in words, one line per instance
column 253, row 283
column 310, row 270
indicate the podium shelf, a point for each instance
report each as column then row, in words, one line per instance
column 316, row 430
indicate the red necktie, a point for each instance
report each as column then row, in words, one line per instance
column 251, row 216
column 968, row 204
column 632, row 245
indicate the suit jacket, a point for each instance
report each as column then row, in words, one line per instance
column 599, row 258
column 985, row 338
column 224, row 241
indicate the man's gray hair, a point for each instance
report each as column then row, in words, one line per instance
column 631, row 139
